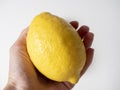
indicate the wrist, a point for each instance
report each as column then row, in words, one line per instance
column 15, row 86
column 10, row 86
column 22, row 85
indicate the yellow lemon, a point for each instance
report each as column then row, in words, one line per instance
column 55, row 48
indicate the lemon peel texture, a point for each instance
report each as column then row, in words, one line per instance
column 55, row 48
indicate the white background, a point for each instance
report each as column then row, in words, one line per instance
column 103, row 18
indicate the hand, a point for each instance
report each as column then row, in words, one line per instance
column 24, row 76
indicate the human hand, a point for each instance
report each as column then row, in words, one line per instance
column 24, row 76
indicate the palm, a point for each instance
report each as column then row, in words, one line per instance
column 26, row 72
column 34, row 74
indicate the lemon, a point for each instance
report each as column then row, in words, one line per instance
column 55, row 48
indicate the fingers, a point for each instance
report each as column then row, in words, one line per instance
column 88, row 39
column 86, row 36
column 83, row 30
column 89, row 57
column 75, row 24
column 84, row 33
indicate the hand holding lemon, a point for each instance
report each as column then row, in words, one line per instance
column 57, row 52
column 55, row 48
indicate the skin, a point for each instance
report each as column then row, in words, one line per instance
column 24, row 76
